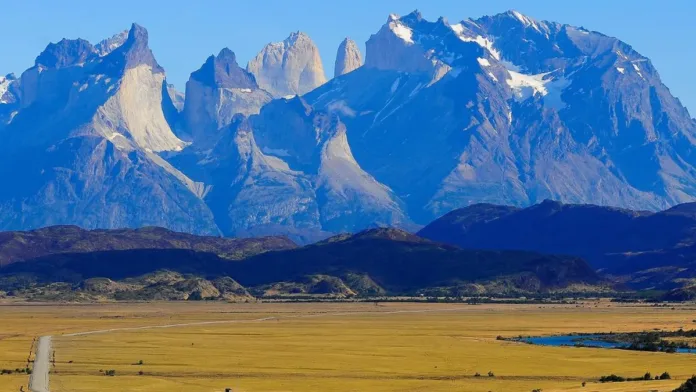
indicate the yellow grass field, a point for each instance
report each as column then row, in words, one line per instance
column 336, row 347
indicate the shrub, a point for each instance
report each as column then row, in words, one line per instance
column 665, row 376
column 490, row 374
column 612, row 378
column 647, row 376
column 688, row 386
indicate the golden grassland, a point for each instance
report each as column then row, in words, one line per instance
column 339, row 347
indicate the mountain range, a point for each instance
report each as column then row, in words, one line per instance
column 641, row 249
column 69, row 263
column 550, row 248
column 503, row 109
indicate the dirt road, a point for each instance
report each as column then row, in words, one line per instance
column 38, row 381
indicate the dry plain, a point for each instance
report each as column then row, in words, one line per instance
column 335, row 347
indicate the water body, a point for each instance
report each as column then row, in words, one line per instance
column 582, row 340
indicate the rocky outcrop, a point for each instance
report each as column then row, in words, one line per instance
column 299, row 175
column 291, row 67
column 348, row 58
column 217, row 92
column 82, row 147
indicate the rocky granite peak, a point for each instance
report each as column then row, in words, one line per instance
column 348, row 58
column 223, row 71
column 290, row 67
column 133, row 52
column 65, row 53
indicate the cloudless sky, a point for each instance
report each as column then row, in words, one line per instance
column 184, row 32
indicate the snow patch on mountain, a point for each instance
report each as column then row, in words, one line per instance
column 402, row 31
column 4, row 87
column 483, row 62
column 637, row 68
column 484, row 42
column 526, row 21
column 108, row 45
column 527, row 86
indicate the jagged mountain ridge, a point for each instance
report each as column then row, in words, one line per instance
column 481, row 111
column 81, row 146
column 290, row 170
column 502, row 109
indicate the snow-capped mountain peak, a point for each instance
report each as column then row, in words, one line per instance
column 108, row 45
column 7, row 85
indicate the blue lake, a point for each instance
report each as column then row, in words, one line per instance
column 585, row 340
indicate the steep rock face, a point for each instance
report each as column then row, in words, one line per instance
column 316, row 144
column 177, row 97
column 291, row 67
column 81, row 148
column 215, row 93
column 348, row 58
column 510, row 110
column 108, row 45
column 290, row 170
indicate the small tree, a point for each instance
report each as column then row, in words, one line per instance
column 647, row 376
column 665, row 376
column 490, row 374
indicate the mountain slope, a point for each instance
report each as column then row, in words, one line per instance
column 649, row 249
column 27, row 245
column 82, row 147
column 290, row 170
column 401, row 263
column 373, row 262
column 509, row 110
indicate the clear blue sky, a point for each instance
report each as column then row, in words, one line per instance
column 184, row 32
